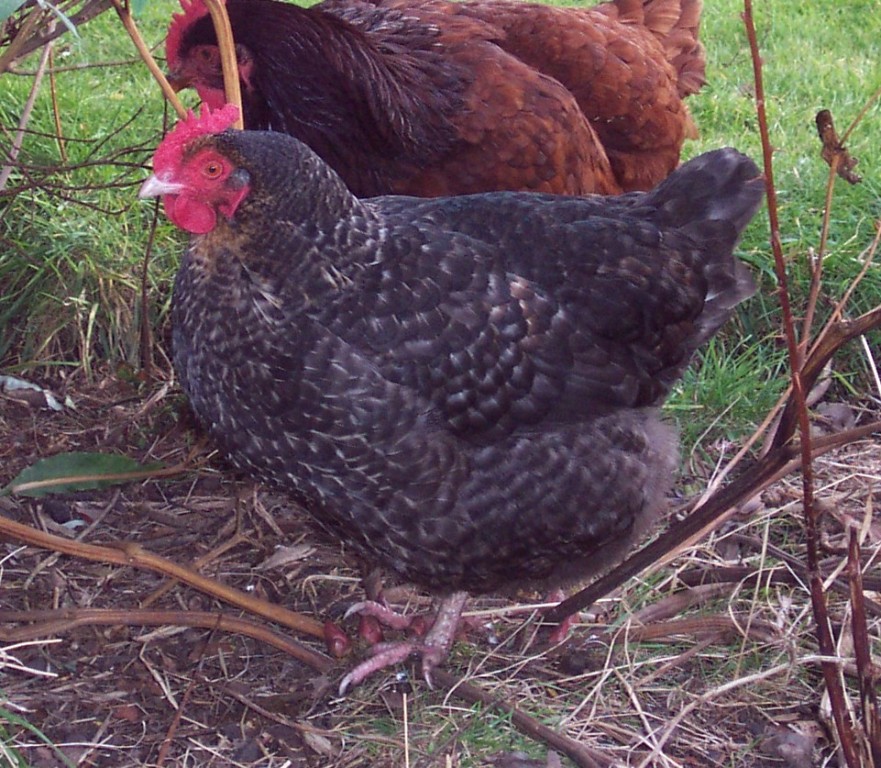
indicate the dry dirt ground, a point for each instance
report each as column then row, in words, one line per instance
column 675, row 669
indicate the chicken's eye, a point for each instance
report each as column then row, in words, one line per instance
column 212, row 169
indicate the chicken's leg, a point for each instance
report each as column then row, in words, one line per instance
column 434, row 649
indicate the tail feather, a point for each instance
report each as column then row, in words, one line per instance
column 676, row 23
column 713, row 198
column 720, row 185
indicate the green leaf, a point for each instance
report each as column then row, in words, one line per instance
column 57, row 11
column 68, row 472
column 138, row 6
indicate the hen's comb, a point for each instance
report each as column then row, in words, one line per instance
column 193, row 10
column 170, row 151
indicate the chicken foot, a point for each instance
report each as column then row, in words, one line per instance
column 433, row 649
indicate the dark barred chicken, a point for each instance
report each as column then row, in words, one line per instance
column 430, row 97
column 464, row 389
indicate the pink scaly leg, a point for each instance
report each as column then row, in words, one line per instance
column 385, row 615
column 434, row 649
column 561, row 632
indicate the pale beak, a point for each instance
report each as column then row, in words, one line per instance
column 154, row 187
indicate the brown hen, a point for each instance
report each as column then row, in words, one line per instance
column 429, row 98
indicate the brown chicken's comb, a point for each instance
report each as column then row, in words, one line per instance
column 192, row 11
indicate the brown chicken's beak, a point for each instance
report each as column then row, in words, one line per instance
column 177, row 82
column 154, row 187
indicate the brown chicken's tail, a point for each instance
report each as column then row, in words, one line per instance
column 676, row 23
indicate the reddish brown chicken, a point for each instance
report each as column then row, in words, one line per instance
column 428, row 97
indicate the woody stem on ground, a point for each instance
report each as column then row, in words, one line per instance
column 131, row 554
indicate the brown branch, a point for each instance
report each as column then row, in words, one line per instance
column 818, row 598
column 53, row 622
column 173, row 726
column 17, row 47
column 867, row 673
column 818, row 259
column 131, row 554
column 580, row 754
column 832, row 338
column 113, row 64
column 125, row 16
column 145, row 336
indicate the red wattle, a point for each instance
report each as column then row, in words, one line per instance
column 215, row 98
column 190, row 215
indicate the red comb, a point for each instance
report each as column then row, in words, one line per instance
column 170, row 151
column 193, row 10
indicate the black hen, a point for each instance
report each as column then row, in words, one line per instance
column 465, row 389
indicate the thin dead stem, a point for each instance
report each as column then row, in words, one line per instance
column 56, row 110
column 25, row 119
column 811, row 517
column 124, row 12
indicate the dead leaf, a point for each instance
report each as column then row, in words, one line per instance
column 833, row 151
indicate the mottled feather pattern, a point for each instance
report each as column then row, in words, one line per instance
column 464, row 389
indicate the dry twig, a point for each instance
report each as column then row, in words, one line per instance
column 131, row 554
column 867, row 672
column 53, row 622
column 580, row 754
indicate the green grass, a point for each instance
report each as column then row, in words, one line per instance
column 70, row 260
column 815, row 56
column 71, row 251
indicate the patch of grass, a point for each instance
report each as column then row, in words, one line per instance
column 815, row 56
column 72, row 231
column 730, row 388
column 436, row 730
